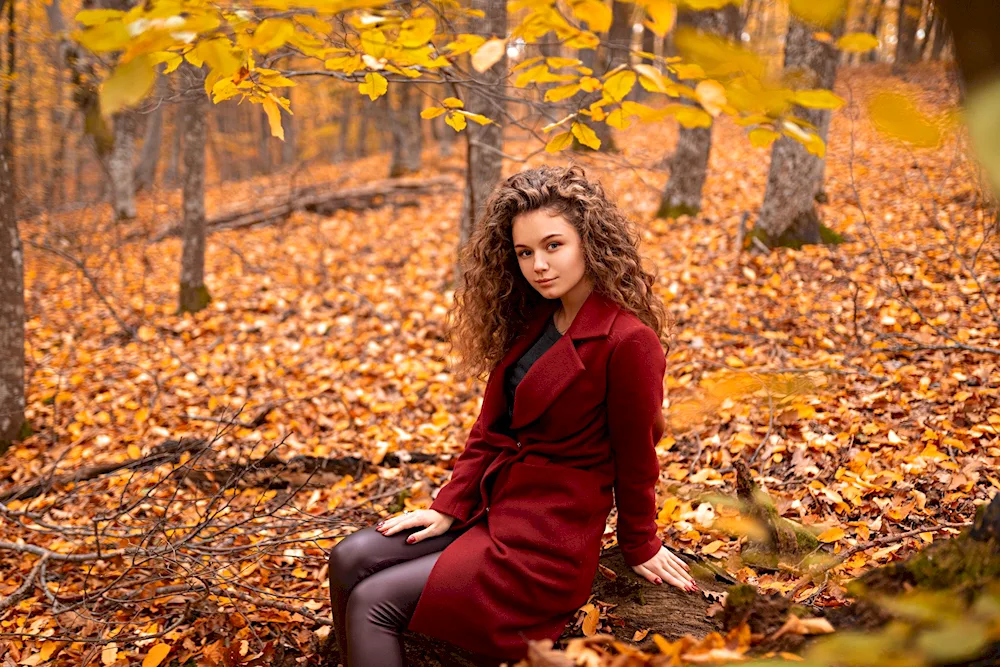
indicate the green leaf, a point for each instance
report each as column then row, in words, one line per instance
column 954, row 642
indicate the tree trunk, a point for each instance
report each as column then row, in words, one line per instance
column 344, row 128
column 149, row 158
column 907, row 21
column 445, row 137
column 9, row 91
column 648, row 46
column 795, row 178
column 264, row 166
column 689, row 163
column 941, row 34
column 120, row 165
column 484, row 143
column 193, row 293
column 11, row 306
column 407, row 138
column 612, row 53
column 873, row 55
column 288, row 148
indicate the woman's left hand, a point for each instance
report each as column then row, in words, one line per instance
column 666, row 565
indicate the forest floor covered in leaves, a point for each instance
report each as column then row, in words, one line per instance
column 333, row 328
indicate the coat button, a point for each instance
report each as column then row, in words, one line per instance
column 518, row 443
column 487, row 509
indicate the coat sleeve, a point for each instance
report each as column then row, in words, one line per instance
column 458, row 498
column 635, row 423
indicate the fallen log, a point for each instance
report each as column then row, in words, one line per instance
column 318, row 199
column 166, row 452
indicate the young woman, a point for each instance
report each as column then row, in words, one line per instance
column 556, row 305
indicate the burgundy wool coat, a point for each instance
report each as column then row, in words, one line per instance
column 587, row 417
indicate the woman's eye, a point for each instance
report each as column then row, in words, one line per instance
column 554, row 243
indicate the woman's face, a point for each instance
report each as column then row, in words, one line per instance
column 548, row 249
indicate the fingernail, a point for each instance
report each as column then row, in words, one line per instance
column 409, row 540
column 659, row 581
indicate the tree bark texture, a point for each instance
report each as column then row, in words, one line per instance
column 975, row 26
column 149, row 157
column 407, row 136
column 907, row 20
column 788, row 215
column 193, row 293
column 484, row 142
column 264, row 166
column 11, row 306
column 289, row 148
column 612, row 53
column 120, row 165
column 689, row 163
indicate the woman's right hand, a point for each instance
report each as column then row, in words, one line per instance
column 436, row 522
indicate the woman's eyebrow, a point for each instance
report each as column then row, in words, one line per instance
column 521, row 245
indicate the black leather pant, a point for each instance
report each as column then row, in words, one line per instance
column 375, row 582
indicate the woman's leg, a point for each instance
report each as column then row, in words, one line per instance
column 364, row 553
column 379, row 610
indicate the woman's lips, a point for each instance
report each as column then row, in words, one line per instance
column 545, row 282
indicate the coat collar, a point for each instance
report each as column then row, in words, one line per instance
column 559, row 366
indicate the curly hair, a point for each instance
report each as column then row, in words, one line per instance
column 494, row 300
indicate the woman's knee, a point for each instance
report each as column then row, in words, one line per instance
column 371, row 604
column 355, row 554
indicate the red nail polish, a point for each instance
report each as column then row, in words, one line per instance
column 409, row 540
column 659, row 581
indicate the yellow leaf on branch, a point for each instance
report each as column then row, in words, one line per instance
column 274, row 118
column 585, row 135
column 560, row 142
column 128, row 85
column 375, row 85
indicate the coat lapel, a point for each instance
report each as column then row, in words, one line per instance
column 560, row 365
